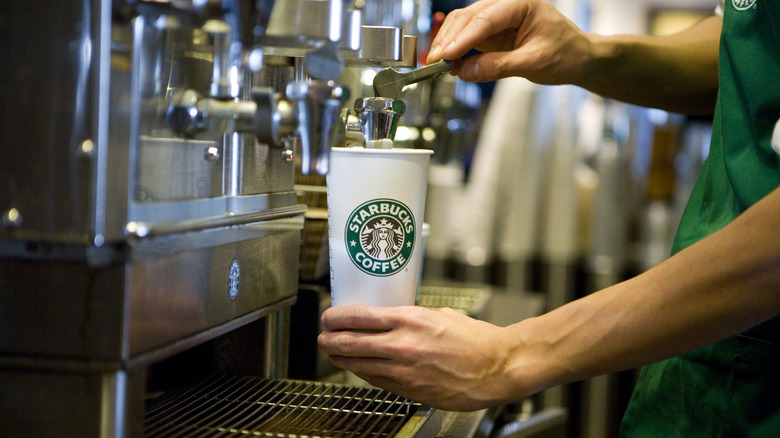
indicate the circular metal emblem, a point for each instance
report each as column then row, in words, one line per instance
column 742, row 5
column 233, row 277
column 379, row 235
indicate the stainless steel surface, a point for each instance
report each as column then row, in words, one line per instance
column 389, row 82
column 241, row 406
column 268, row 365
column 314, row 248
column 226, row 60
column 75, row 303
column 476, row 424
column 277, row 347
column 383, row 46
column 351, row 30
column 35, row 134
column 169, row 217
column 73, row 404
column 305, row 23
column 382, row 43
column 324, row 63
column 380, row 46
column 220, row 275
column 174, row 169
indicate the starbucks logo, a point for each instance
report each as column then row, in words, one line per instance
column 380, row 236
column 742, row 5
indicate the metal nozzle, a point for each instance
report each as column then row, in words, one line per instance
column 379, row 118
column 318, row 107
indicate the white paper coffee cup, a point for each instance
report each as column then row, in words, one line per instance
column 376, row 200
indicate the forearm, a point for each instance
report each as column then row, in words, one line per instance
column 531, row 39
column 678, row 73
column 724, row 284
column 718, row 287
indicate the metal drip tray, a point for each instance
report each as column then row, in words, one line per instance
column 467, row 299
column 240, row 406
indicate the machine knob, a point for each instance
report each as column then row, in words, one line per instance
column 183, row 116
column 275, row 117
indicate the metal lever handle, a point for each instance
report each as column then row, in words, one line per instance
column 431, row 71
column 389, row 82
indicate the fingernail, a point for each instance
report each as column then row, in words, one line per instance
column 434, row 54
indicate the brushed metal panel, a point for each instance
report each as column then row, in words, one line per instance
column 47, row 73
column 165, row 307
column 69, row 305
column 40, row 403
column 63, row 309
column 71, row 403
column 176, row 169
column 264, row 169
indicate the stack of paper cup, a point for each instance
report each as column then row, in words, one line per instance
column 376, row 200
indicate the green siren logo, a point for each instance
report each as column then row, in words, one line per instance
column 743, row 5
column 380, row 236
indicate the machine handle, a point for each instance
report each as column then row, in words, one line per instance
column 389, row 82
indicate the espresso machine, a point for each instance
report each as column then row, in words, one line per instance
column 150, row 231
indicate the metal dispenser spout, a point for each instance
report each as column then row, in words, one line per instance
column 322, row 36
column 378, row 119
column 311, row 110
column 318, row 107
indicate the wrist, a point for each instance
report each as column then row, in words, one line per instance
column 602, row 54
column 530, row 362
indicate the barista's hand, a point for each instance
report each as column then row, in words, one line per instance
column 528, row 38
column 435, row 356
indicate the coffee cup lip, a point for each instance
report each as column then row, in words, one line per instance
column 398, row 151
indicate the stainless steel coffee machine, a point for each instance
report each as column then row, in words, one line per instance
column 149, row 226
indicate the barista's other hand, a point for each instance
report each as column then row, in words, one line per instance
column 435, row 356
column 528, row 38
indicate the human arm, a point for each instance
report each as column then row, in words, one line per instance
column 720, row 286
column 531, row 39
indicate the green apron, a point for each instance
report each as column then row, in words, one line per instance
column 730, row 388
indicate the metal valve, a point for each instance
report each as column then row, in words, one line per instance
column 310, row 111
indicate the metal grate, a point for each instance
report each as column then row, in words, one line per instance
column 233, row 406
column 467, row 299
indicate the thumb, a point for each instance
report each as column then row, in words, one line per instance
column 485, row 67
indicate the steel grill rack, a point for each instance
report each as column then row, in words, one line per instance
column 233, row 406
